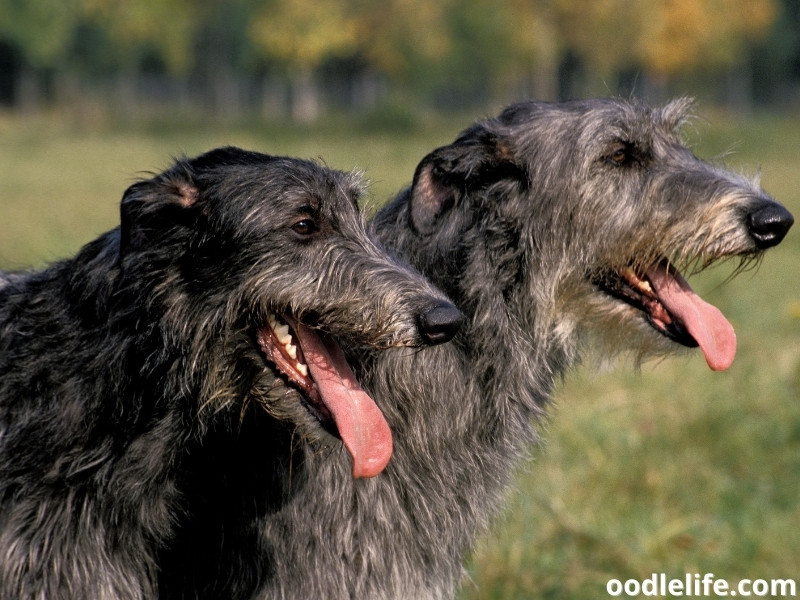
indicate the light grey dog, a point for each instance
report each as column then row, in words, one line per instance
column 551, row 226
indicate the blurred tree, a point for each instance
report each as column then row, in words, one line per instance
column 43, row 31
column 131, row 35
column 41, row 28
column 677, row 35
column 456, row 52
column 478, row 56
column 708, row 36
column 538, row 42
column 776, row 58
column 397, row 37
column 663, row 38
column 201, row 40
column 602, row 34
column 168, row 27
column 302, row 34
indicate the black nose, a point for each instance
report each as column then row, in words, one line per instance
column 769, row 224
column 440, row 323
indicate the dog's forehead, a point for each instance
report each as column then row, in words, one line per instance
column 610, row 121
column 290, row 181
column 600, row 119
column 330, row 191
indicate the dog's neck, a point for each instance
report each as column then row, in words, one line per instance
column 462, row 415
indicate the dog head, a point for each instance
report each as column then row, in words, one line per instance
column 256, row 263
column 581, row 215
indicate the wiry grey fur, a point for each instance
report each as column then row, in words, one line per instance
column 121, row 366
column 520, row 221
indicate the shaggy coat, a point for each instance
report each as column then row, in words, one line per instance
column 552, row 227
column 119, row 367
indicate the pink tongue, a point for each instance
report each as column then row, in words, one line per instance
column 361, row 425
column 706, row 324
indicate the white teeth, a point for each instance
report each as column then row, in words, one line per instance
column 284, row 338
column 633, row 279
column 282, row 333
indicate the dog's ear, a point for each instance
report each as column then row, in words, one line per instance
column 430, row 196
column 153, row 208
column 477, row 159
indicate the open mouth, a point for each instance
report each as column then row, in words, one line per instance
column 672, row 308
column 281, row 347
column 312, row 362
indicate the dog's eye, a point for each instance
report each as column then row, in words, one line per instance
column 304, row 227
column 621, row 155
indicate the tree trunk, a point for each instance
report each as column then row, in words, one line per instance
column 29, row 94
column 273, row 98
column 739, row 88
column 306, row 104
column 367, row 91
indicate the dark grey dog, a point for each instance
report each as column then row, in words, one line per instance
column 207, row 315
column 550, row 226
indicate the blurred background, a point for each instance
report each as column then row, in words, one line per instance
column 303, row 59
column 669, row 468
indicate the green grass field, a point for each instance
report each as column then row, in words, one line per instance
column 671, row 468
